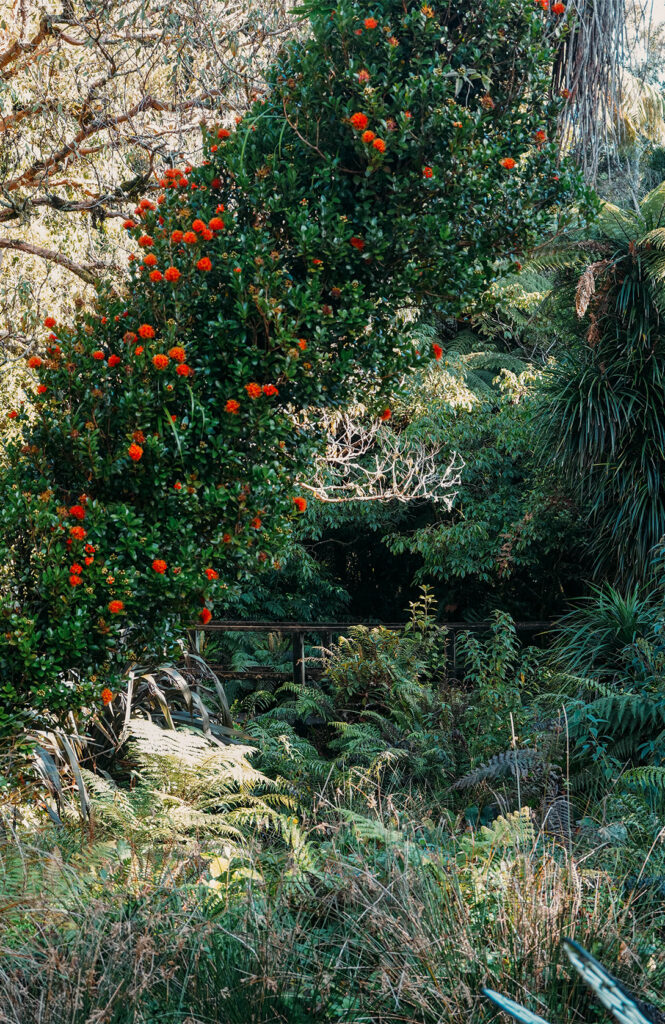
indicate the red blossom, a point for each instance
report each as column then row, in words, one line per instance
column 146, row 331
column 115, row 607
column 160, row 361
column 232, row 406
column 77, row 512
column 172, row 274
column 135, row 452
column 204, row 264
column 159, row 565
column 205, row 616
column 359, row 121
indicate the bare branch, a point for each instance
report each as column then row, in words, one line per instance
column 89, row 273
column 371, row 462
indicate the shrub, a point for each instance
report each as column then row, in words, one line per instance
column 394, row 157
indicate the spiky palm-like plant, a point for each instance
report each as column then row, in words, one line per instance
column 606, row 416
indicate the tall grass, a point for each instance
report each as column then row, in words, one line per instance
column 386, row 921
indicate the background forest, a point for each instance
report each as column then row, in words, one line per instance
column 375, row 345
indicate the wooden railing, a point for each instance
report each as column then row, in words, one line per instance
column 298, row 631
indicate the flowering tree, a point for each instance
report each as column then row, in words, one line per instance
column 396, row 157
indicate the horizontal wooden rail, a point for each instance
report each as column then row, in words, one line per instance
column 259, row 626
column 298, row 631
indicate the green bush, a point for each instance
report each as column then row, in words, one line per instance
column 394, row 158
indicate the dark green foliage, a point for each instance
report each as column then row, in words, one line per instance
column 592, row 638
column 606, row 413
column 325, row 236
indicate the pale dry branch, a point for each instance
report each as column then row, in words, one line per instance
column 371, row 462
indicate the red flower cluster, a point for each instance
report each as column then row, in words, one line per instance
column 77, row 512
column 438, row 351
column 77, row 532
column 114, row 360
column 386, row 414
column 106, row 696
column 357, row 243
column 232, row 406
column 160, row 361
column 300, row 504
column 184, row 370
column 172, row 274
column 211, row 574
column 146, row 331
column 115, row 607
column 205, row 616
column 159, row 565
column 135, row 452
column 269, row 390
column 34, row 362
column 427, row 172
column 177, row 353
column 49, row 322
column 253, row 390
column 204, row 264
column 508, row 163
column 359, row 121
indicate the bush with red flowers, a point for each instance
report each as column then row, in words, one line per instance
column 373, row 174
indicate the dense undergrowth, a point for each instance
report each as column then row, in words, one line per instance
column 370, row 854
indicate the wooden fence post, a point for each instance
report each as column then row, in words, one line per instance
column 299, row 659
